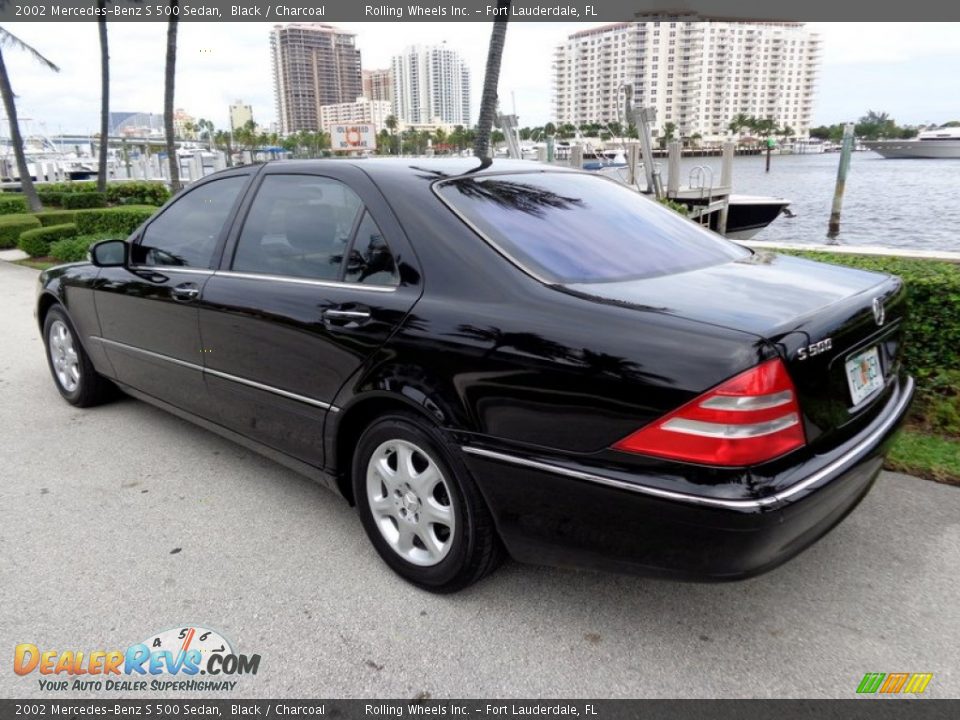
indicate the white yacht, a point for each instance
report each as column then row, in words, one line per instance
column 943, row 143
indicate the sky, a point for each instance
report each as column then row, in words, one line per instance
column 909, row 70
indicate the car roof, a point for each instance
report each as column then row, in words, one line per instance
column 439, row 167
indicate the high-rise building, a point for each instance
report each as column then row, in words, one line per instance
column 314, row 64
column 378, row 84
column 363, row 110
column 240, row 114
column 698, row 75
column 431, row 84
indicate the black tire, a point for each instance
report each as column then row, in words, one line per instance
column 91, row 387
column 475, row 548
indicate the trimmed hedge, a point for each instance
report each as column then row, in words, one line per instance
column 36, row 243
column 117, row 220
column 72, row 186
column 55, row 217
column 12, row 204
column 933, row 290
column 73, row 249
column 79, row 200
column 51, row 198
column 138, row 193
column 12, row 225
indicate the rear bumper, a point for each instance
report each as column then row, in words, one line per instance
column 571, row 516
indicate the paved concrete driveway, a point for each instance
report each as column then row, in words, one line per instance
column 94, row 503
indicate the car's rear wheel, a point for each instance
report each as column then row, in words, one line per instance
column 420, row 507
column 72, row 371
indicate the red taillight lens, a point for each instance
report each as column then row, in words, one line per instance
column 749, row 419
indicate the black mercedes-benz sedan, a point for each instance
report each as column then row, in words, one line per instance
column 499, row 357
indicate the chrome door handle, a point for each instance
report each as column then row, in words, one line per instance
column 334, row 314
column 185, row 292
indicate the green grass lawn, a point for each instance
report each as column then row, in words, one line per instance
column 928, row 456
column 38, row 263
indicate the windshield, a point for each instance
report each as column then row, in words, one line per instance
column 579, row 228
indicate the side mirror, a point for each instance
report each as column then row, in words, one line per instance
column 110, row 253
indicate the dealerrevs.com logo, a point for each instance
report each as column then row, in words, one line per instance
column 166, row 661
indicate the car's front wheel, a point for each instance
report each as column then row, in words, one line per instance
column 420, row 507
column 72, row 371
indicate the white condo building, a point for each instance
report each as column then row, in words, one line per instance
column 363, row 110
column 431, row 84
column 698, row 75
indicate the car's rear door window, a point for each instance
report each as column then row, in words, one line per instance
column 578, row 228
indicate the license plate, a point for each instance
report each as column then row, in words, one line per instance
column 864, row 375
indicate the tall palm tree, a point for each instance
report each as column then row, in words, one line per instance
column 104, row 96
column 9, row 40
column 391, row 123
column 488, row 101
column 169, row 76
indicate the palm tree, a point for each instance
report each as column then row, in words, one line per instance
column 168, row 82
column 739, row 122
column 488, row 100
column 391, row 123
column 104, row 96
column 8, row 39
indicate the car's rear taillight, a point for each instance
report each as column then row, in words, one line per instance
column 749, row 419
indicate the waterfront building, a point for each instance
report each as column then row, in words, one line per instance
column 377, row 84
column 184, row 125
column 431, row 84
column 363, row 110
column 314, row 64
column 240, row 114
column 698, row 75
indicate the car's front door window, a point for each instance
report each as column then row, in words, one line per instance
column 186, row 233
column 299, row 226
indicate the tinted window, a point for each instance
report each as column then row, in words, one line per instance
column 298, row 225
column 578, row 228
column 186, row 233
column 369, row 260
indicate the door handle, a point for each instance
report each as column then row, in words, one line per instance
column 185, row 292
column 341, row 316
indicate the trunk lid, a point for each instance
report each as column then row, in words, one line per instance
column 816, row 316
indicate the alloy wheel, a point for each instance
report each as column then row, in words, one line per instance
column 410, row 502
column 63, row 354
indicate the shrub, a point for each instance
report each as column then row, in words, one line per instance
column 138, row 193
column 120, row 221
column 74, row 249
column 79, row 200
column 55, row 217
column 51, row 198
column 36, row 243
column 71, row 186
column 12, row 225
column 12, row 204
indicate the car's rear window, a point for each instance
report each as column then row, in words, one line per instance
column 577, row 228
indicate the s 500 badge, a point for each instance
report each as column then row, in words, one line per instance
column 816, row 348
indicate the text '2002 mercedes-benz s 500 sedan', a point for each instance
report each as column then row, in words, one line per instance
column 499, row 357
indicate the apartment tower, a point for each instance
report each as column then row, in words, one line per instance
column 314, row 64
column 431, row 84
column 698, row 75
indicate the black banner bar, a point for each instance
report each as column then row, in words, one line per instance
column 469, row 10
column 858, row 709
